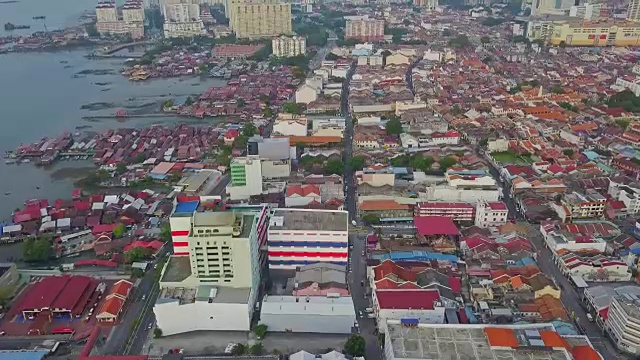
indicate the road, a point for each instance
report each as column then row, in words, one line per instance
column 118, row 340
column 570, row 297
column 357, row 263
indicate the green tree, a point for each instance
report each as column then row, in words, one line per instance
column 188, row 101
column 37, row 249
column 121, row 169
column 136, row 254
column 331, row 57
column 139, row 158
column 293, row 108
column 567, row 106
column 92, row 30
column 239, row 349
column 119, row 231
column 256, row 349
column 568, row 152
column 394, row 126
column 491, row 21
column 371, row 219
column 355, row 345
column 460, row 41
column 168, row 104
column 260, row 331
column 357, row 162
column 557, row 89
column 485, row 40
column 446, row 162
column 157, row 332
column 334, row 166
column 203, row 68
column 165, row 232
column 483, row 142
column 241, row 103
column 249, row 130
column 137, row 273
column 623, row 123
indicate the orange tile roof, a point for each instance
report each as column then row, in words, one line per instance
column 517, row 282
column 372, row 205
column 553, row 339
column 111, row 306
column 501, row 337
column 585, row 352
column 121, row 288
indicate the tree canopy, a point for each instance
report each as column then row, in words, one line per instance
column 37, row 249
column 357, row 162
column 355, row 345
column 136, row 254
column 446, row 162
column 119, row 231
column 293, row 108
column 394, row 126
column 334, row 166
column 249, row 130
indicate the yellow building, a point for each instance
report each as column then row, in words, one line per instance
column 596, row 34
column 259, row 18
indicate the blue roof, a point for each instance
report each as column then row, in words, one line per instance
column 409, row 321
column 591, row 155
column 416, row 255
column 186, row 207
column 22, row 355
column 469, row 172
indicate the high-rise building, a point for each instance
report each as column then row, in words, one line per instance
column 129, row 22
column 259, row 18
column 183, row 20
column 428, row 5
column 248, row 173
column 586, row 11
column 213, row 280
column 285, row 46
column 365, row 29
column 633, row 11
column 298, row 237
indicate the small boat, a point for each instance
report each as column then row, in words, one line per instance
column 7, row 193
column 26, row 161
column 10, row 162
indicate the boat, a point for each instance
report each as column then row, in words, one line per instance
column 26, row 161
column 10, row 162
column 39, row 17
column 10, row 26
column 7, row 193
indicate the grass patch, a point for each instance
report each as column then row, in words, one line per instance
column 507, row 157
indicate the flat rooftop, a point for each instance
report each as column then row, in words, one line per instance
column 471, row 342
column 300, row 305
column 313, row 220
column 206, row 293
column 241, row 223
column 177, row 269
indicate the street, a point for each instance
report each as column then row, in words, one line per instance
column 569, row 295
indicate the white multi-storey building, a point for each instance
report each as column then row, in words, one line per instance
column 491, row 214
column 633, row 11
column 623, row 323
column 129, row 22
column 285, row 46
column 299, row 237
column 183, row 20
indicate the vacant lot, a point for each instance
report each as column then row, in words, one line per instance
column 511, row 158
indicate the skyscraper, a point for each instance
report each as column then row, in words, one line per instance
column 259, row 18
column 633, row 11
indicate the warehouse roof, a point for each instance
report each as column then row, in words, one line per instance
column 312, row 305
column 56, row 292
column 435, row 225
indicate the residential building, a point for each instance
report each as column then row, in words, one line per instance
column 626, row 190
column 300, row 237
column 484, row 341
column 586, row 11
column 302, row 195
column 386, row 210
column 290, row 125
column 633, row 11
column 289, row 46
column 364, row 28
column 246, row 177
column 623, row 321
column 460, row 212
column 591, row 265
column 183, row 20
column 129, row 22
column 491, row 214
column 276, row 148
column 212, row 281
column 591, row 204
column 427, row 5
column 259, row 18
column 423, row 305
column 629, row 82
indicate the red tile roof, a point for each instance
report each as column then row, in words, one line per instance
column 435, row 225
column 408, row 299
column 304, row 190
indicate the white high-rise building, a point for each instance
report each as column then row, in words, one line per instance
column 586, row 11
column 183, row 20
column 633, row 11
column 428, row 5
column 285, row 46
column 129, row 22
column 213, row 280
